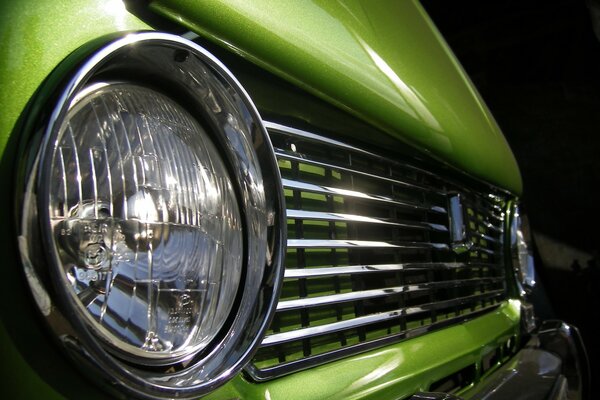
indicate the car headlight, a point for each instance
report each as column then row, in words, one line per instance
column 522, row 254
column 152, row 227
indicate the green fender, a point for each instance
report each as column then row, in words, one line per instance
column 383, row 61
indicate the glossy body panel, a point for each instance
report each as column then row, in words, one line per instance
column 35, row 36
column 382, row 61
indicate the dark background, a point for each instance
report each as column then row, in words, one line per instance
column 537, row 66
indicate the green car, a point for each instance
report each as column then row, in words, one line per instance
column 260, row 200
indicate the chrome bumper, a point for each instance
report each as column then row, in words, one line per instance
column 552, row 366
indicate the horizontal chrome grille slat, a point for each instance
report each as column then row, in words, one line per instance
column 492, row 227
column 487, row 237
column 273, row 127
column 333, row 191
column 298, row 133
column 338, row 354
column 357, row 244
column 487, row 251
column 304, row 333
column 285, row 155
column 327, row 216
column 370, row 269
column 379, row 250
column 370, row 294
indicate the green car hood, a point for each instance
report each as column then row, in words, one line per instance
column 384, row 61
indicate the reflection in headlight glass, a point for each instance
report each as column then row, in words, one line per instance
column 147, row 228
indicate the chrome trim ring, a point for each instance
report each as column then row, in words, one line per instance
column 195, row 78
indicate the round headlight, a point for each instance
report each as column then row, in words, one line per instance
column 152, row 231
column 522, row 255
column 145, row 225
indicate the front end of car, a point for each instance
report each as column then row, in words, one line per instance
column 260, row 200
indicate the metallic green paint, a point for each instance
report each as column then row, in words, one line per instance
column 383, row 61
column 35, row 36
column 391, row 372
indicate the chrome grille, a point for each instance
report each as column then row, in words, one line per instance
column 378, row 251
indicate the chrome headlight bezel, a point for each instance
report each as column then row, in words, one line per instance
column 190, row 75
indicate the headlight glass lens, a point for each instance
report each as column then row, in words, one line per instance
column 146, row 225
column 522, row 255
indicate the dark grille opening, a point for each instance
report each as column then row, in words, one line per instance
column 370, row 254
column 490, row 360
column 456, row 381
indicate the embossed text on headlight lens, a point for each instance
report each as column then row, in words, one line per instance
column 146, row 223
